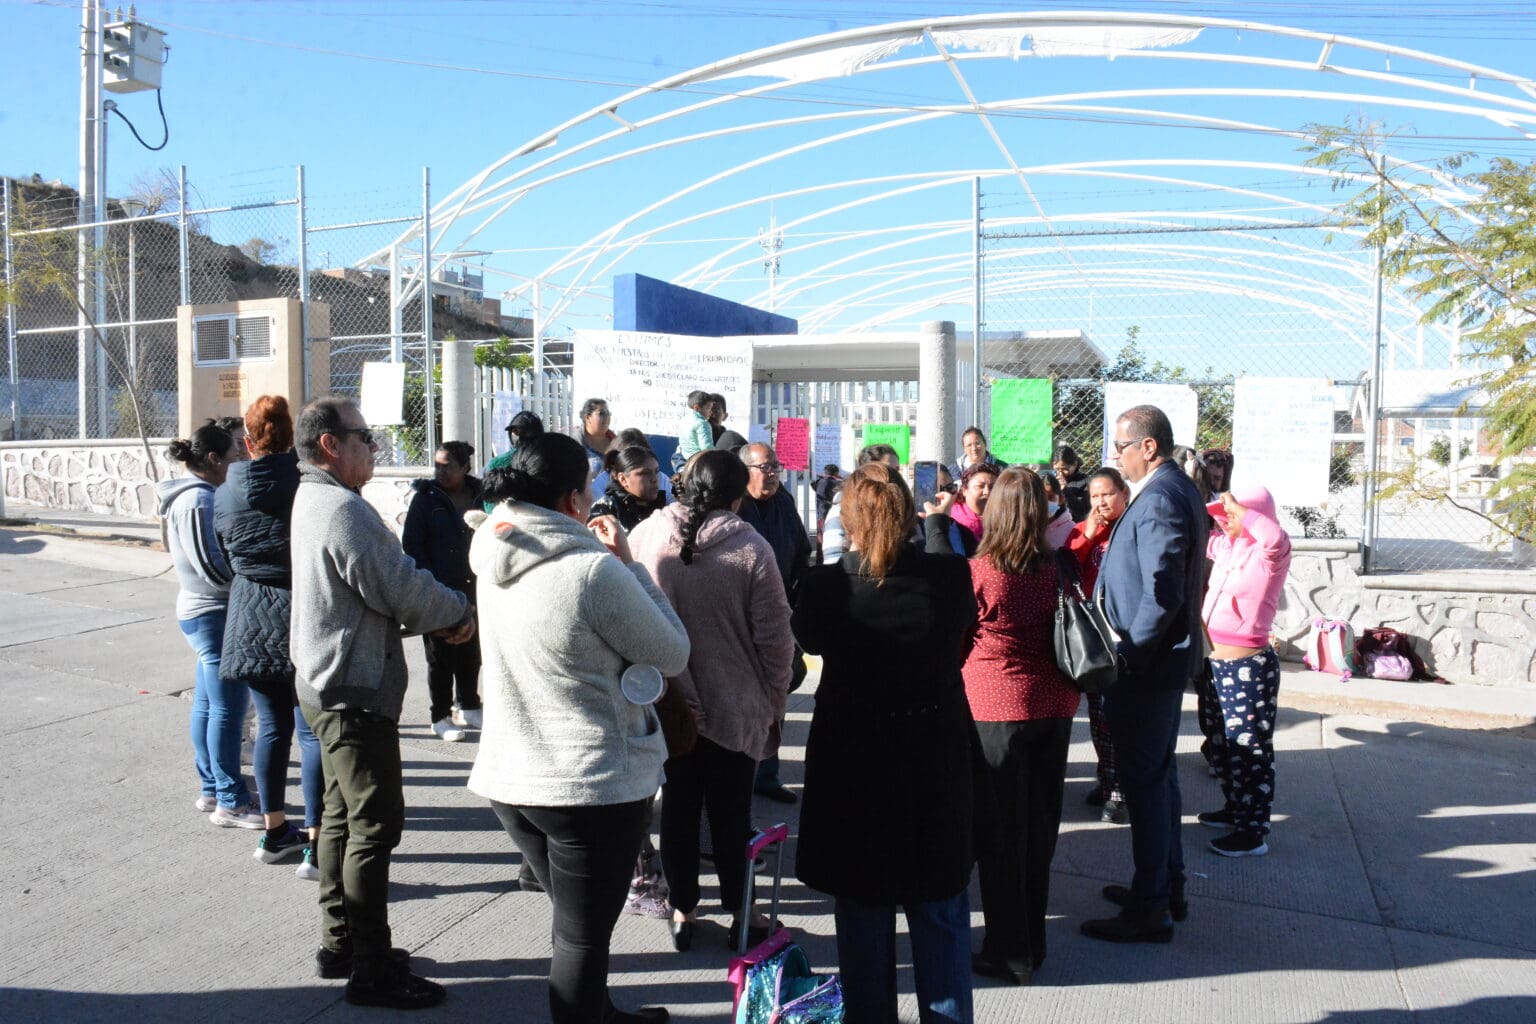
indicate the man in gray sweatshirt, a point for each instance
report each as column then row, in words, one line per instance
column 353, row 590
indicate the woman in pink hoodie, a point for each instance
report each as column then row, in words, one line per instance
column 1251, row 555
column 722, row 579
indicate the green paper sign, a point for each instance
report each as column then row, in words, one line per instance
column 897, row 435
column 1021, row 420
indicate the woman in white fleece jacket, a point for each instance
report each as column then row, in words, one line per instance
column 566, row 761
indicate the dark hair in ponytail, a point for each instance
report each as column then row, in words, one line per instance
column 712, row 480
column 208, row 439
column 628, row 459
column 459, row 451
column 543, row 470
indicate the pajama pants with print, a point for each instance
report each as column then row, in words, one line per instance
column 1244, row 753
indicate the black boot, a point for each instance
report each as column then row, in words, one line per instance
column 392, row 985
column 1120, row 896
column 1151, row 924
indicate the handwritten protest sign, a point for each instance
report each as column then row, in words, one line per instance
column 1021, row 420
column 646, row 377
column 897, row 435
column 1178, row 401
column 792, row 442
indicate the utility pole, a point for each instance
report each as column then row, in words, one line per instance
column 772, row 241
column 88, row 270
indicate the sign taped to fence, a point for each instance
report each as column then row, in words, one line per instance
column 792, row 442
column 381, row 396
column 1178, row 401
column 832, row 440
column 1282, row 436
column 646, row 377
column 1021, row 419
column 504, row 405
column 897, row 435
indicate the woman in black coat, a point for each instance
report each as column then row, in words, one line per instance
column 437, row 537
column 251, row 516
column 889, row 801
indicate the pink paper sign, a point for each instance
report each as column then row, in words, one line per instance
column 792, row 441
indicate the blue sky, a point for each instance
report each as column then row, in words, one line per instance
column 365, row 94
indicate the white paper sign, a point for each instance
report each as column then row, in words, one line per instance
column 827, row 445
column 646, row 377
column 1178, row 401
column 504, row 405
column 1282, row 436
column 381, row 396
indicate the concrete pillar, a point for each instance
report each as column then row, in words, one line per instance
column 936, row 392
column 459, row 397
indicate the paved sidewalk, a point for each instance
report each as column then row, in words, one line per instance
column 1401, row 886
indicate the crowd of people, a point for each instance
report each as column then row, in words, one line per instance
column 550, row 588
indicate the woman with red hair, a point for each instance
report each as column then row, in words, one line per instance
column 251, row 517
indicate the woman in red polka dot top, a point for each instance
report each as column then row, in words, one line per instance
column 1023, row 707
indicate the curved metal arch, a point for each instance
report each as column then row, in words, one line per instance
column 608, row 246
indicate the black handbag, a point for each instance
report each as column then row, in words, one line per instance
column 1085, row 643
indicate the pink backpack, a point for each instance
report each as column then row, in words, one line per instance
column 1331, row 648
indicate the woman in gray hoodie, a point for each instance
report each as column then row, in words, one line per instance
column 722, row 577
column 568, row 763
column 218, row 708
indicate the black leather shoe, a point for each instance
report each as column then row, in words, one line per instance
column 1000, row 970
column 333, row 965
column 1120, row 896
column 1155, row 927
column 779, row 794
column 682, row 935
column 1114, row 813
column 397, row 989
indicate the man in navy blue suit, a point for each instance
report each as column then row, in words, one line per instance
column 1150, row 584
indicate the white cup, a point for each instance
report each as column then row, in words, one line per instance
column 642, row 684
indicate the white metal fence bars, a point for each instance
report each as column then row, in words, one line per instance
column 1193, row 304
column 550, row 399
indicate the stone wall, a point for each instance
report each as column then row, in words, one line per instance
column 104, row 477
column 1477, row 629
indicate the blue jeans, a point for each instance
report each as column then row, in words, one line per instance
column 218, row 712
column 277, row 720
column 941, row 959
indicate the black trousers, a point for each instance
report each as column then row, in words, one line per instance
column 1027, row 762
column 583, row 856
column 1144, row 724
column 721, row 780
column 453, row 671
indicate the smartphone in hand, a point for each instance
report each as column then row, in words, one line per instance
column 925, row 480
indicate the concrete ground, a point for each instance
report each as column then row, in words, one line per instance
column 1401, row 885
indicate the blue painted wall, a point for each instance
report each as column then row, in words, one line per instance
column 643, row 303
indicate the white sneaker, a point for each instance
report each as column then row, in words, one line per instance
column 471, row 718
column 244, row 816
column 447, row 731
column 207, row 804
column 306, row 869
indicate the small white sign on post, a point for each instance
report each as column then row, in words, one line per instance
column 1282, row 436
column 504, row 405
column 381, row 396
column 1178, row 401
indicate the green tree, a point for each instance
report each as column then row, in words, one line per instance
column 1472, row 263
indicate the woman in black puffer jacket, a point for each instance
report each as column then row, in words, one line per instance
column 436, row 536
column 251, row 516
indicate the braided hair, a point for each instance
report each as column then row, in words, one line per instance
column 713, row 479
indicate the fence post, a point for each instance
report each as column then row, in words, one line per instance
column 936, row 390
column 426, row 305
column 303, row 290
column 976, row 313
column 10, row 332
column 1372, row 430
column 184, row 250
column 460, row 400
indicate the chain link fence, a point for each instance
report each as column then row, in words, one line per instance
column 1201, row 306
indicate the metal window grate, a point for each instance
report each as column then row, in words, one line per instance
column 253, row 337
column 211, row 339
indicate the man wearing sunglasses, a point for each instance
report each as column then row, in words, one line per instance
column 770, row 510
column 353, row 590
column 1150, row 588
